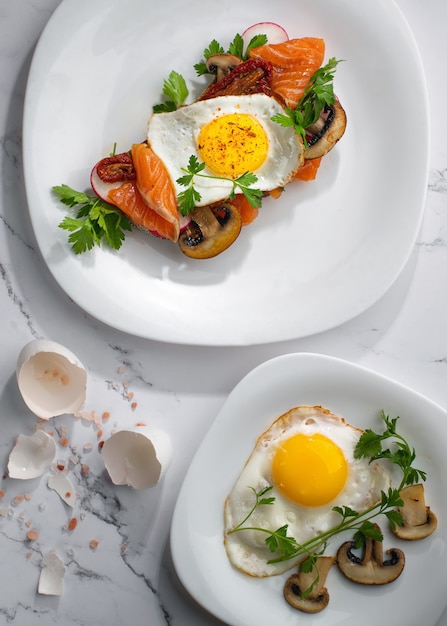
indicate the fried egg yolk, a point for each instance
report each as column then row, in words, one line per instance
column 233, row 144
column 309, row 470
column 230, row 135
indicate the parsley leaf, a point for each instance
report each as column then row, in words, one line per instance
column 176, row 91
column 236, row 48
column 95, row 220
column 164, row 107
column 213, row 48
column 255, row 42
column 370, row 446
column 279, row 541
column 188, row 199
column 366, row 529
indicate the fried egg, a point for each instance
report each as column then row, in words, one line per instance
column 232, row 135
column 307, row 455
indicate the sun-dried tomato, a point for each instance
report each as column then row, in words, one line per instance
column 252, row 76
column 116, row 169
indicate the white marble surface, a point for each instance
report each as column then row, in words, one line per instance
column 129, row 577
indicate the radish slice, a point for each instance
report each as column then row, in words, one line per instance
column 185, row 221
column 275, row 33
column 101, row 188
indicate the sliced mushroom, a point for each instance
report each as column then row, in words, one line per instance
column 212, row 230
column 325, row 133
column 222, row 64
column 418, row 520
column 296, row 586
column 370, row 568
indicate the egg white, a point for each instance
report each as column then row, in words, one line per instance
column 173, row 137
column 247, row 549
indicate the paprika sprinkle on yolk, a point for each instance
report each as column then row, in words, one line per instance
column 233, row 144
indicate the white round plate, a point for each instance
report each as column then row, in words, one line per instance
column 358, row 395
column 315, row 258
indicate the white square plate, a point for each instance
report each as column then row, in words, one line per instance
column 358, row 395
column 313, row 259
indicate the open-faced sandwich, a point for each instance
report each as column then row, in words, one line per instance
column 267, row 118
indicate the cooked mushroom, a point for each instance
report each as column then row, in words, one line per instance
column 370, row 568
column 296, row 586
column 222, row 64
column 325, row 133
column 212, row 230
column 418, row 520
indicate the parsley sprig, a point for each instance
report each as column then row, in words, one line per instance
column 236, row 48
column 370, row 445
column 176, row 91
column 318, row 94
column 94, row 221
column 175, row 88
column 189, row 198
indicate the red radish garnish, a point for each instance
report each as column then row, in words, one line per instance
column 101, row 188
column 110, row 172
column 275, row 33
column 185, row 221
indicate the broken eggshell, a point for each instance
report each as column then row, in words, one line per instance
column 138, row 457
column 62, row 485
column 51, row 379
column 51, row 575
column 31, row 455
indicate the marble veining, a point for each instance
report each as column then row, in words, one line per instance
column 117, row 558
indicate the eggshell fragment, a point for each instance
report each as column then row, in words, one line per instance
column 63, row 486
column 137, row 458
column 31, row 455
column 51, row 379
column 51, row 576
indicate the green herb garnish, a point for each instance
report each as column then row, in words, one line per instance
column 255, row 42
column 188, row 199
column 95, row 220
column 213, row 48
column 236, row 48
column 176, row 91
column 369, row 446
column 318, row 94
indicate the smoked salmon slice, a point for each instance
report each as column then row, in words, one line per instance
column 308, row 171
column 129, row 200
column 247, row 211
column 294, row 61
column 155, row 186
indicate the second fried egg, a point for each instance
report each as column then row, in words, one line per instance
column 307, row 455
column 232, row 135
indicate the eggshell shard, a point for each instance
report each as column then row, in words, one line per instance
column 137, row 458
column 51, row 576
column 51, row 379
column 62, row 485
column 31, row 455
